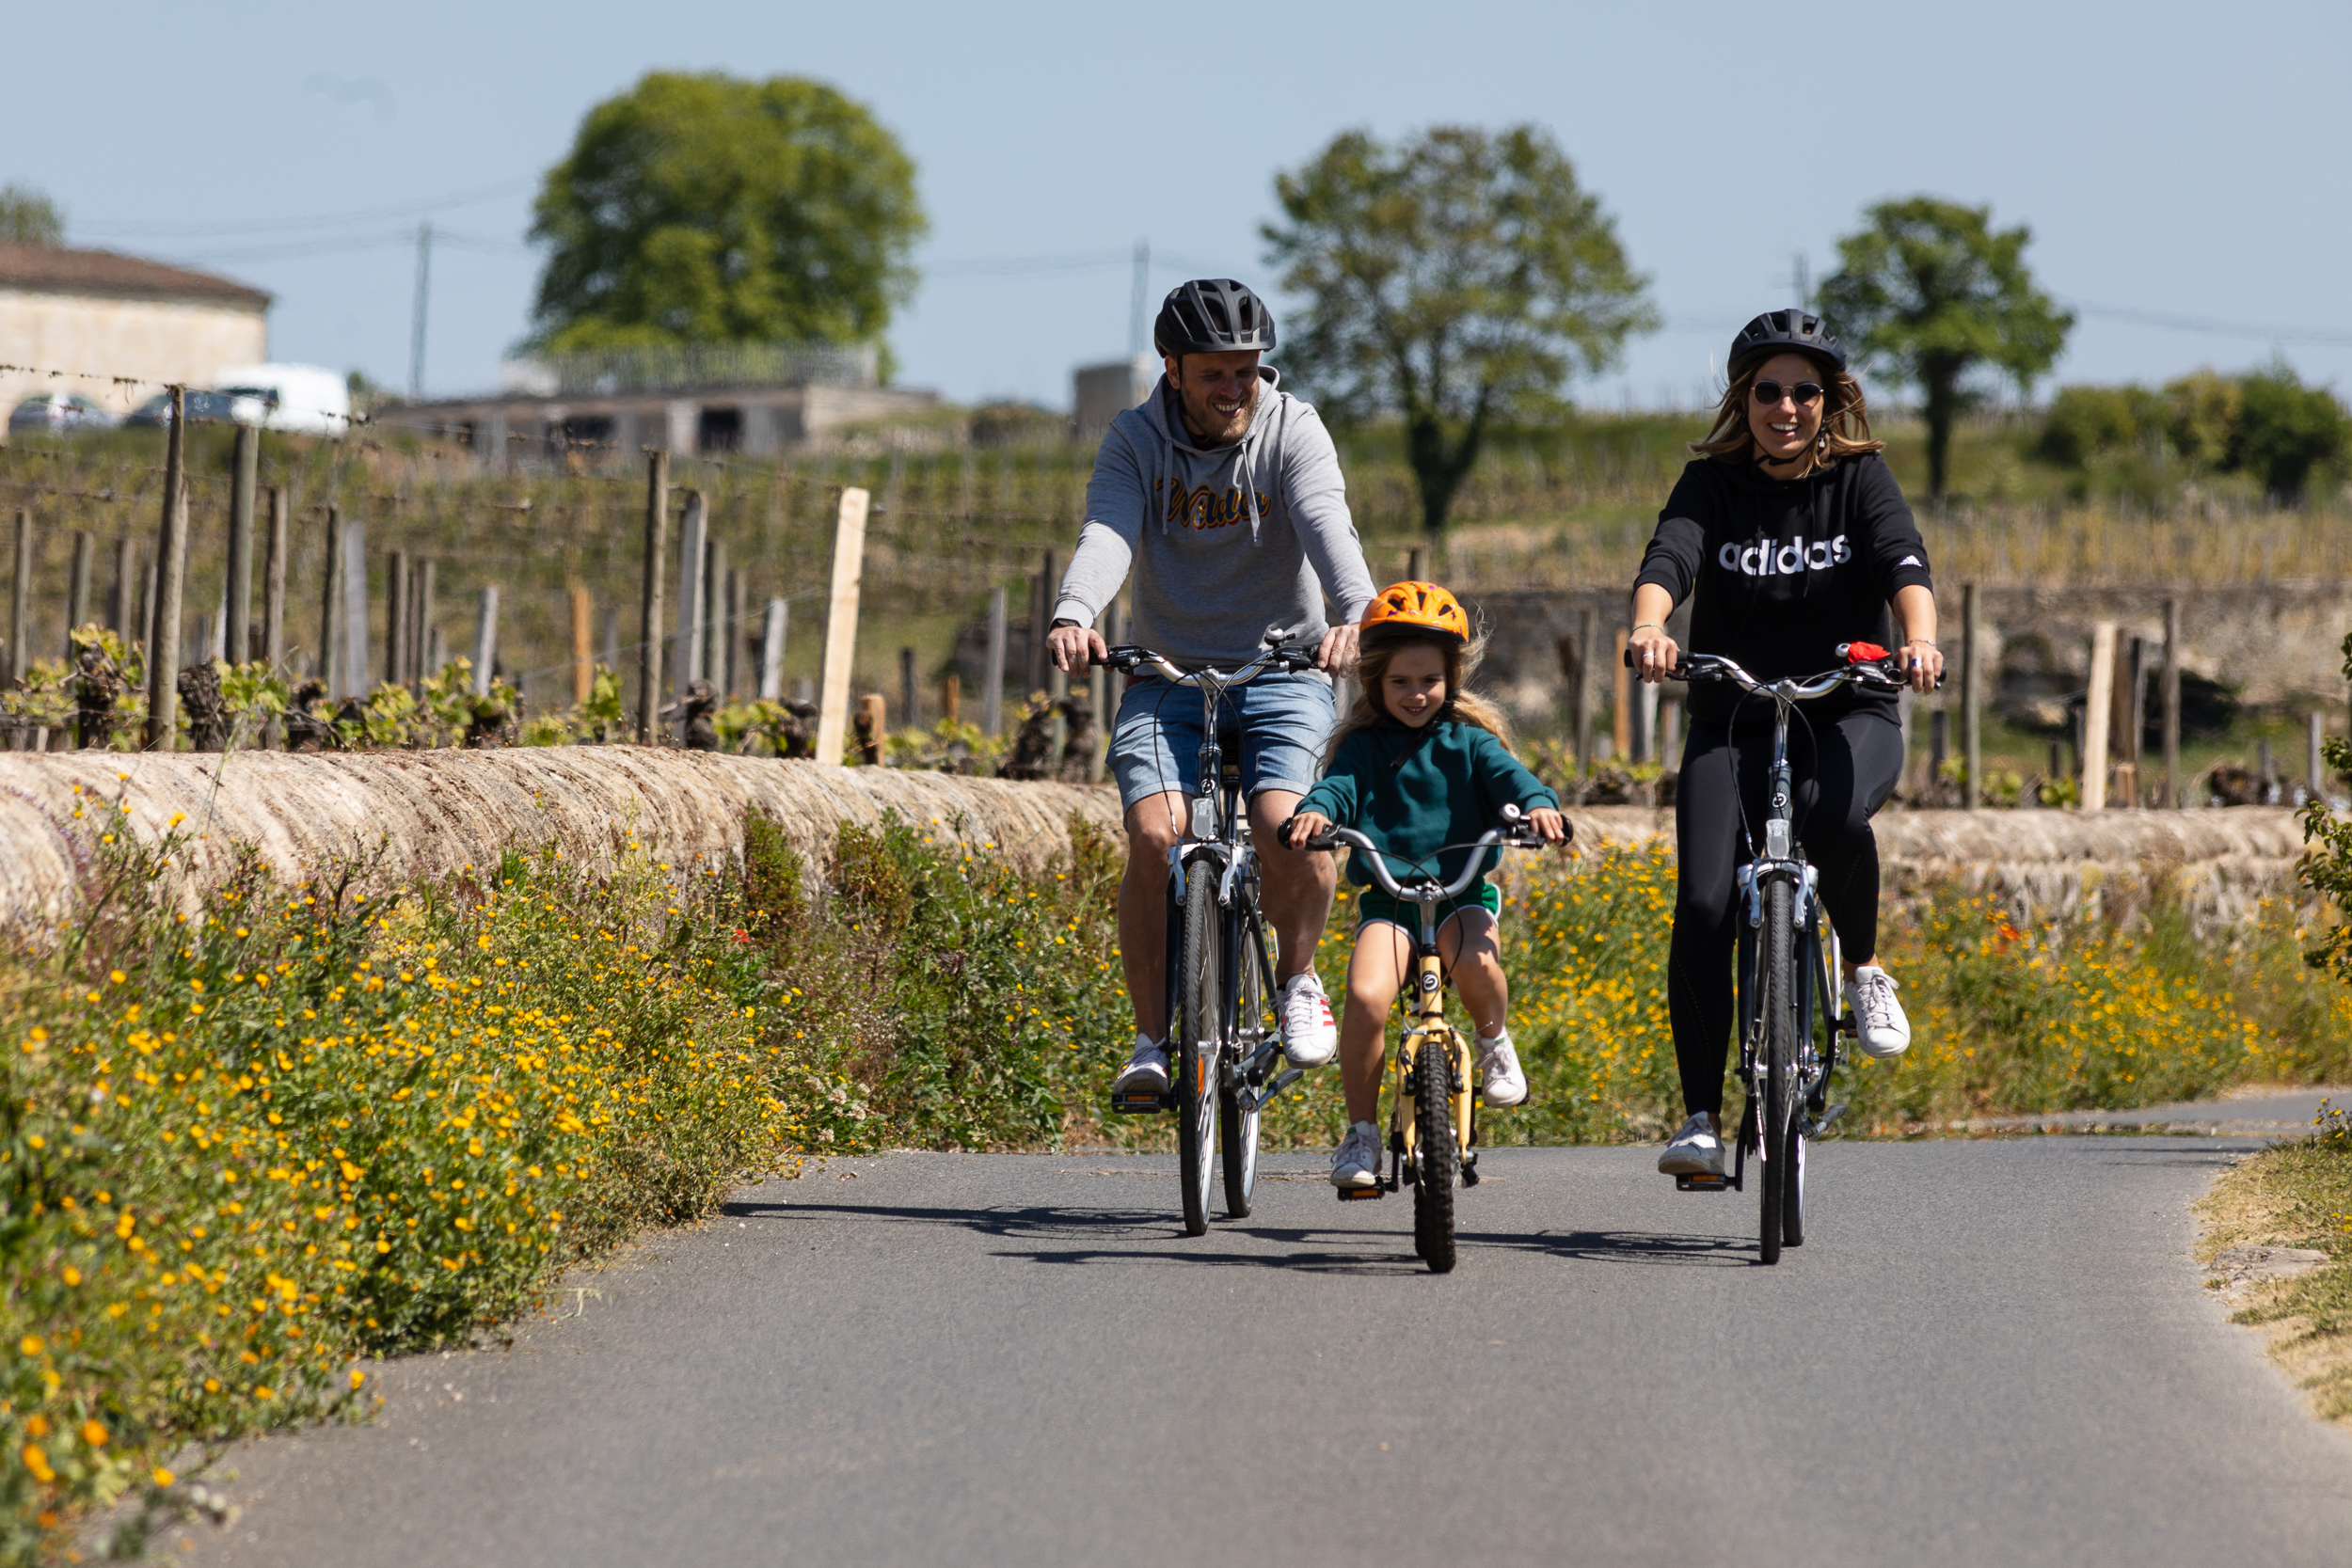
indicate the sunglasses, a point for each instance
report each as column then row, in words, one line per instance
column 1769, row 392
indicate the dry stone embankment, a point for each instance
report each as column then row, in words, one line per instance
column 427, row 814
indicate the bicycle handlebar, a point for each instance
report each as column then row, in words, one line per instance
column 1514, row 834
column 1866, row 665
column 1284, row 658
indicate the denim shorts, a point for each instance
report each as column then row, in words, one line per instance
column 1280, row 721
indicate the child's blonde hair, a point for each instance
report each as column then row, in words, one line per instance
column 1380, row 646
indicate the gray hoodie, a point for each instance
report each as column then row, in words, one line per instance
column 1223, row 566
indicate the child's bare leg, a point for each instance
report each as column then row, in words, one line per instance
column 1471, row 946
column 1373, row 973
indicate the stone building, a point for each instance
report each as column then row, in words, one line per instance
column 109, row 315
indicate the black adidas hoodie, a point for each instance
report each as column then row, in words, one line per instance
column 1784, row 571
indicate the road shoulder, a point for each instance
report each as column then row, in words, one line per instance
column 2276, row 1242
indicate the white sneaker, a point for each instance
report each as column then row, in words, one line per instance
column 1500, row 1080
column 1357, row 1161
column 1309, row 1037
column 1146, row 1071
column 1694, row 1151
column 1885, row 1031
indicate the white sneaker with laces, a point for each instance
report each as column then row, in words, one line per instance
column 1500, row 1080
column 1146, row 1071
column 1694, row 1151
column 1357, row 1161
column 1309, row 1037
column 1885, row 1031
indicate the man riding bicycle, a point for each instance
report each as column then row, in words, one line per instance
column 1223, row 494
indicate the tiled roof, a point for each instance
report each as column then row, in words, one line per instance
column 56, row 269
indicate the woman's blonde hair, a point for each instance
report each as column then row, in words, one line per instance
column 1845, row 421
column 1380, row 646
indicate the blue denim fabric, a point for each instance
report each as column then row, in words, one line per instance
column 1282, row 721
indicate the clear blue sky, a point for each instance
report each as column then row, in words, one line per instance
column 2185, row 161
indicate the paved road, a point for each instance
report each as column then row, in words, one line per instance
column 1988, row 1353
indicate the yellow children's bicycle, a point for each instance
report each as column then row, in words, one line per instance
column 1433, row 1130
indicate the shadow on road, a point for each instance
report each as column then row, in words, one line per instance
column 1094, row 1236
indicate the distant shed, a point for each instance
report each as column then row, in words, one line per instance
column 109, row 315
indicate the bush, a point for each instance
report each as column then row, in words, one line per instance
column 2085, row 422
column 2287, row 429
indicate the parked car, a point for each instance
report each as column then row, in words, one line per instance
column 59, row 411
column 217, row 407
column 307, row 397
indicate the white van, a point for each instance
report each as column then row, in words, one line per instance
column 297, row 397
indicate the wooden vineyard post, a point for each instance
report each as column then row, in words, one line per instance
column 1971, row 705
column 771, row 650
column 992, row 688
column 2171, row 704
column 848, row 557
column 237, row 645
column 171, row 570
column 1621, row 737
column 77, row 588
column 20, row 599
column 649, row 620
column 686, row 641
column 485, row 636
column 1587, row 631
column 2097, row 715
column 274, row 581
column 584, row 647
column 330, row 623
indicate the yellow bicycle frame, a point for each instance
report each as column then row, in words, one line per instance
column 1426, row 1029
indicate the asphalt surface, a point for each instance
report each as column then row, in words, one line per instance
column 1993, row 1352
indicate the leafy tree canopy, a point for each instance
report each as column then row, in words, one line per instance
column 2266, row 423
column 1930, row 293
column 29, row 218
column 1455, row 278
column 706, row 209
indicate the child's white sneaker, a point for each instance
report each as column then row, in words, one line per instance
column 1355, row 1164
column 1500, row 1079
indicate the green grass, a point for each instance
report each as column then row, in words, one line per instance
column 2297, row 1194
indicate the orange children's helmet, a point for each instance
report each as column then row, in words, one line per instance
column 1420, row 606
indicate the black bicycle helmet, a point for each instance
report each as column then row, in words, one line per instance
column 1212, row 315
column 1785, row 331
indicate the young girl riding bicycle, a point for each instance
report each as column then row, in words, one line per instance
column 1420, row 763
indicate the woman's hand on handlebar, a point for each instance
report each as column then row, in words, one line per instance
column 1076, row 647
column 1653, row 655
column 1306, row 825
column 1550, row 826
column 1922, row 664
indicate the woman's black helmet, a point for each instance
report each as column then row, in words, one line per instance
column 1212, row 315
column 1784, row 332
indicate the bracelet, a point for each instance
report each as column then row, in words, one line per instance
column 1651, row 626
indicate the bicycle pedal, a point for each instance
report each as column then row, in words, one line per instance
column 1141, row 1104
column 1691, row 1183
column 1359, row 1195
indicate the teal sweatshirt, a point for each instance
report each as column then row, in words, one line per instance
column 1411, row 791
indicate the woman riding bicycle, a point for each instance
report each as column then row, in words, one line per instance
column 1790, row 537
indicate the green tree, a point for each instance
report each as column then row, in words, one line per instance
column 1930, row 293
column 2286, row 429
column 29, row 218
column 1452, row 280
column 706, row 209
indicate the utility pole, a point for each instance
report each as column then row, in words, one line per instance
column 416, row 319
column 1140, row 322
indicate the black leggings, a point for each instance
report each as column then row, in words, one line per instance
column 1844, row 770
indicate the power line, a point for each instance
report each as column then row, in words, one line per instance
column 317, row 220
column 2320, row 336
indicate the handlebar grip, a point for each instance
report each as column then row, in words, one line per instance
column 1674, row 674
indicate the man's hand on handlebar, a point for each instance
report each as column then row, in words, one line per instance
column 1652, row 654
column 1337, row 652
column 1306, row 825
column 1076, row 647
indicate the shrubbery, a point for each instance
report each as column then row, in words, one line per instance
column 2266, row 424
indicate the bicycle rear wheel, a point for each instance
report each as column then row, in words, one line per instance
column 1434, row 1152
column 1202, row 999
column 1779, row 995
column 1237, row 1105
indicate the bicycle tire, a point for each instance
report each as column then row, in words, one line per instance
column 1237, row 1128
column 1435, row 1154
column 1197, row 1055
column 1792, row 1186
column 1778, row 993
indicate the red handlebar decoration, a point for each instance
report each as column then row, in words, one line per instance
column 1862, row 653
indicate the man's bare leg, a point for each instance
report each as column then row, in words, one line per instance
column 1154, row 824
column 1298, row 884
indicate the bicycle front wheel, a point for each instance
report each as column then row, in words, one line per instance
column 1779, row 995
column 1238, row 1105
column 1434, row 1152
column 1201, row 997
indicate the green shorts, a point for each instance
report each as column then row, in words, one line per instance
column 1372, row 904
